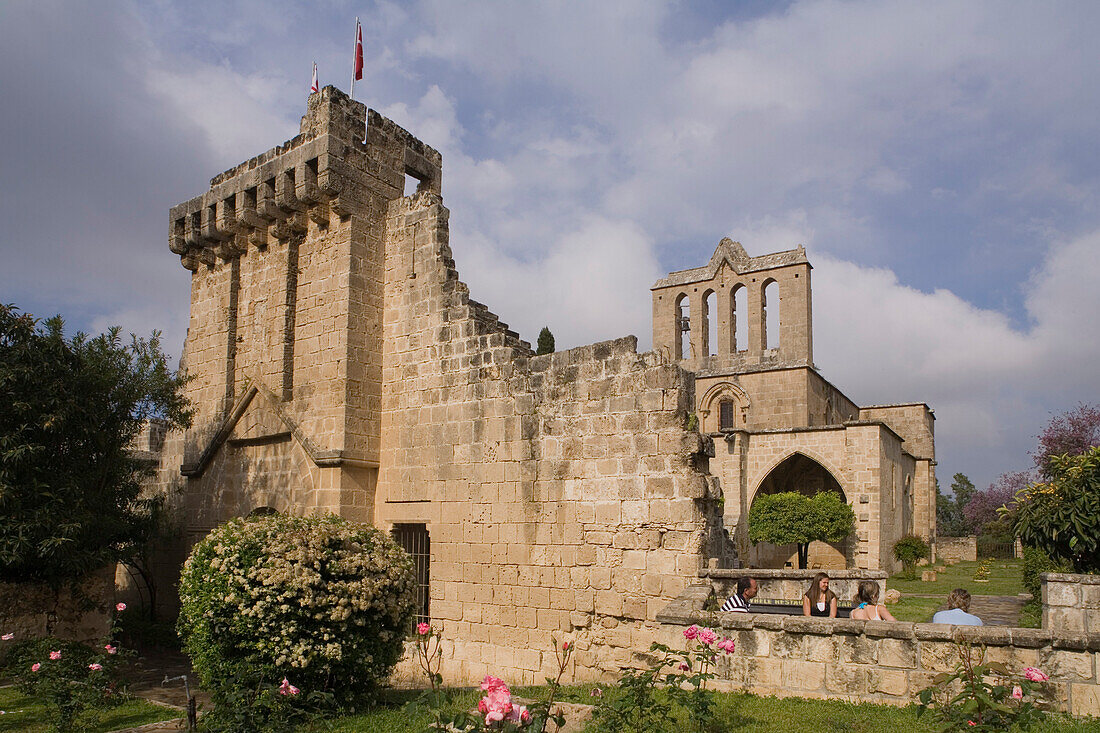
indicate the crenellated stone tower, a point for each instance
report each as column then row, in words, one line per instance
column 338, row 364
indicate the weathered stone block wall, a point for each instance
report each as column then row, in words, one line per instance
column 883, row 662
column 561, row 493
column 915, row 423
column 963, row 549
column 1071, row 603
column 35, row 610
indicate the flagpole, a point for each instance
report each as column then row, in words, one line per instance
column 354, row 48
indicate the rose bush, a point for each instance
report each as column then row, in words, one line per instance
column 318, row 600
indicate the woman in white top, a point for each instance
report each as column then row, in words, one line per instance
column 869, row 609
column 819, row 600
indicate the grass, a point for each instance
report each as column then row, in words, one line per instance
column 733, row 711
column 26, row 715
column 1005, row 579
column 915, row 608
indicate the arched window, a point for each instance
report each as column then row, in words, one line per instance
column 770, row 311
column 726, row 415
column 739, row 309
column 683, row 327
column 710, row 323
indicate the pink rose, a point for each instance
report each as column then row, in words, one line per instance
column 565, row 646
column 494, row 684
column 970, row 722
column 596, row 692
column 95, row 666
column 524, row 715
column 120, row 607
column 423, row 628
column 707, row 636
column 1017, row 692
column 684, row 667
column 111, row 649
column 55, row 655
column 691, row 632
column 483, row 706
column 7, row 637
column 1035, row 675
column 287, row 689
column 35, row 667
column 727, row 645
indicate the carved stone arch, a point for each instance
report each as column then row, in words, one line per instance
column 682, row 315
column 708, row 316
column 770, row 310
column 708, row 406
column 846, row 491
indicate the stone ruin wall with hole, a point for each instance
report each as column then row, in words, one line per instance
column 339, row 365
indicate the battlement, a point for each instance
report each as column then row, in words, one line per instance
column 326, row 170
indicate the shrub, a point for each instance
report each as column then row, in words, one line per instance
column 910, row 550
column 1062, row 516
column 1036, row 562
column 320, row 601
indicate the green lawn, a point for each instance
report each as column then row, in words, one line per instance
column 915, row 608
column 733, row 711
column 1004, row 580
column 23, row 714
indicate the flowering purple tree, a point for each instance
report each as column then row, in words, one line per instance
column 1072, row 433
column 982, row 508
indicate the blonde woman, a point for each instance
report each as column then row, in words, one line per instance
column 869, row 609
column 819, row 600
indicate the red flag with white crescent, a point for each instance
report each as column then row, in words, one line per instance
column 313, row 88
column 358, row 50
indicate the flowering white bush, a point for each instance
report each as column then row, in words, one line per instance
column 319, row 600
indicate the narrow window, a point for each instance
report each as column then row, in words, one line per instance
column 771, row 314
column 683, row 328
column 413, row 539
column 739, row 309
column 725, row 415
column 710, row 323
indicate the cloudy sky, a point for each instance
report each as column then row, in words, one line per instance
column 939, row 160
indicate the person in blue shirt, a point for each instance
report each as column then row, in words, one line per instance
column 957, row 613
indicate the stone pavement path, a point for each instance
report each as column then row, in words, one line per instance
column 992, row 610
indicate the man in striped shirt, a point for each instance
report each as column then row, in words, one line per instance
column 739, row 602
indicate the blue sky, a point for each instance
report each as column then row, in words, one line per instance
column 939, row 160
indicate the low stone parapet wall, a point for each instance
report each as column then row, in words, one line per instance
column 790, row 585
column 884, row 662
column 960, row 549
column 1071, row 602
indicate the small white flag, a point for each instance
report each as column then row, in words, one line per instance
column 313, row 88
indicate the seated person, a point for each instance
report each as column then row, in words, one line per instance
column 869, row 609
column 957, row 613
column 739, row 602
column 819, row 600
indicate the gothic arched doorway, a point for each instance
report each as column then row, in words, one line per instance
column 802, row 474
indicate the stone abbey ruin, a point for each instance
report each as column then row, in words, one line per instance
column 338, row 364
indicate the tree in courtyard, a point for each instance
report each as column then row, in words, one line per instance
column 546, row 342
column 69, row 487
column 909, row 551
column 1061, row 516
column 950, row 520
column 983, row 513
column 793, row 518
column 1071, row 433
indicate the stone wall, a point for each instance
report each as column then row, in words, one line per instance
column 883, row 662
column 561, row 493
column 962, row 549
column 1071, row 603
column 33, row 610
column 791, row 585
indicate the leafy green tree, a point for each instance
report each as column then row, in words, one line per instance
column 69, row 487
column 546, row 342
column 793, row 518
column 1062, row 516
column 950, row 519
